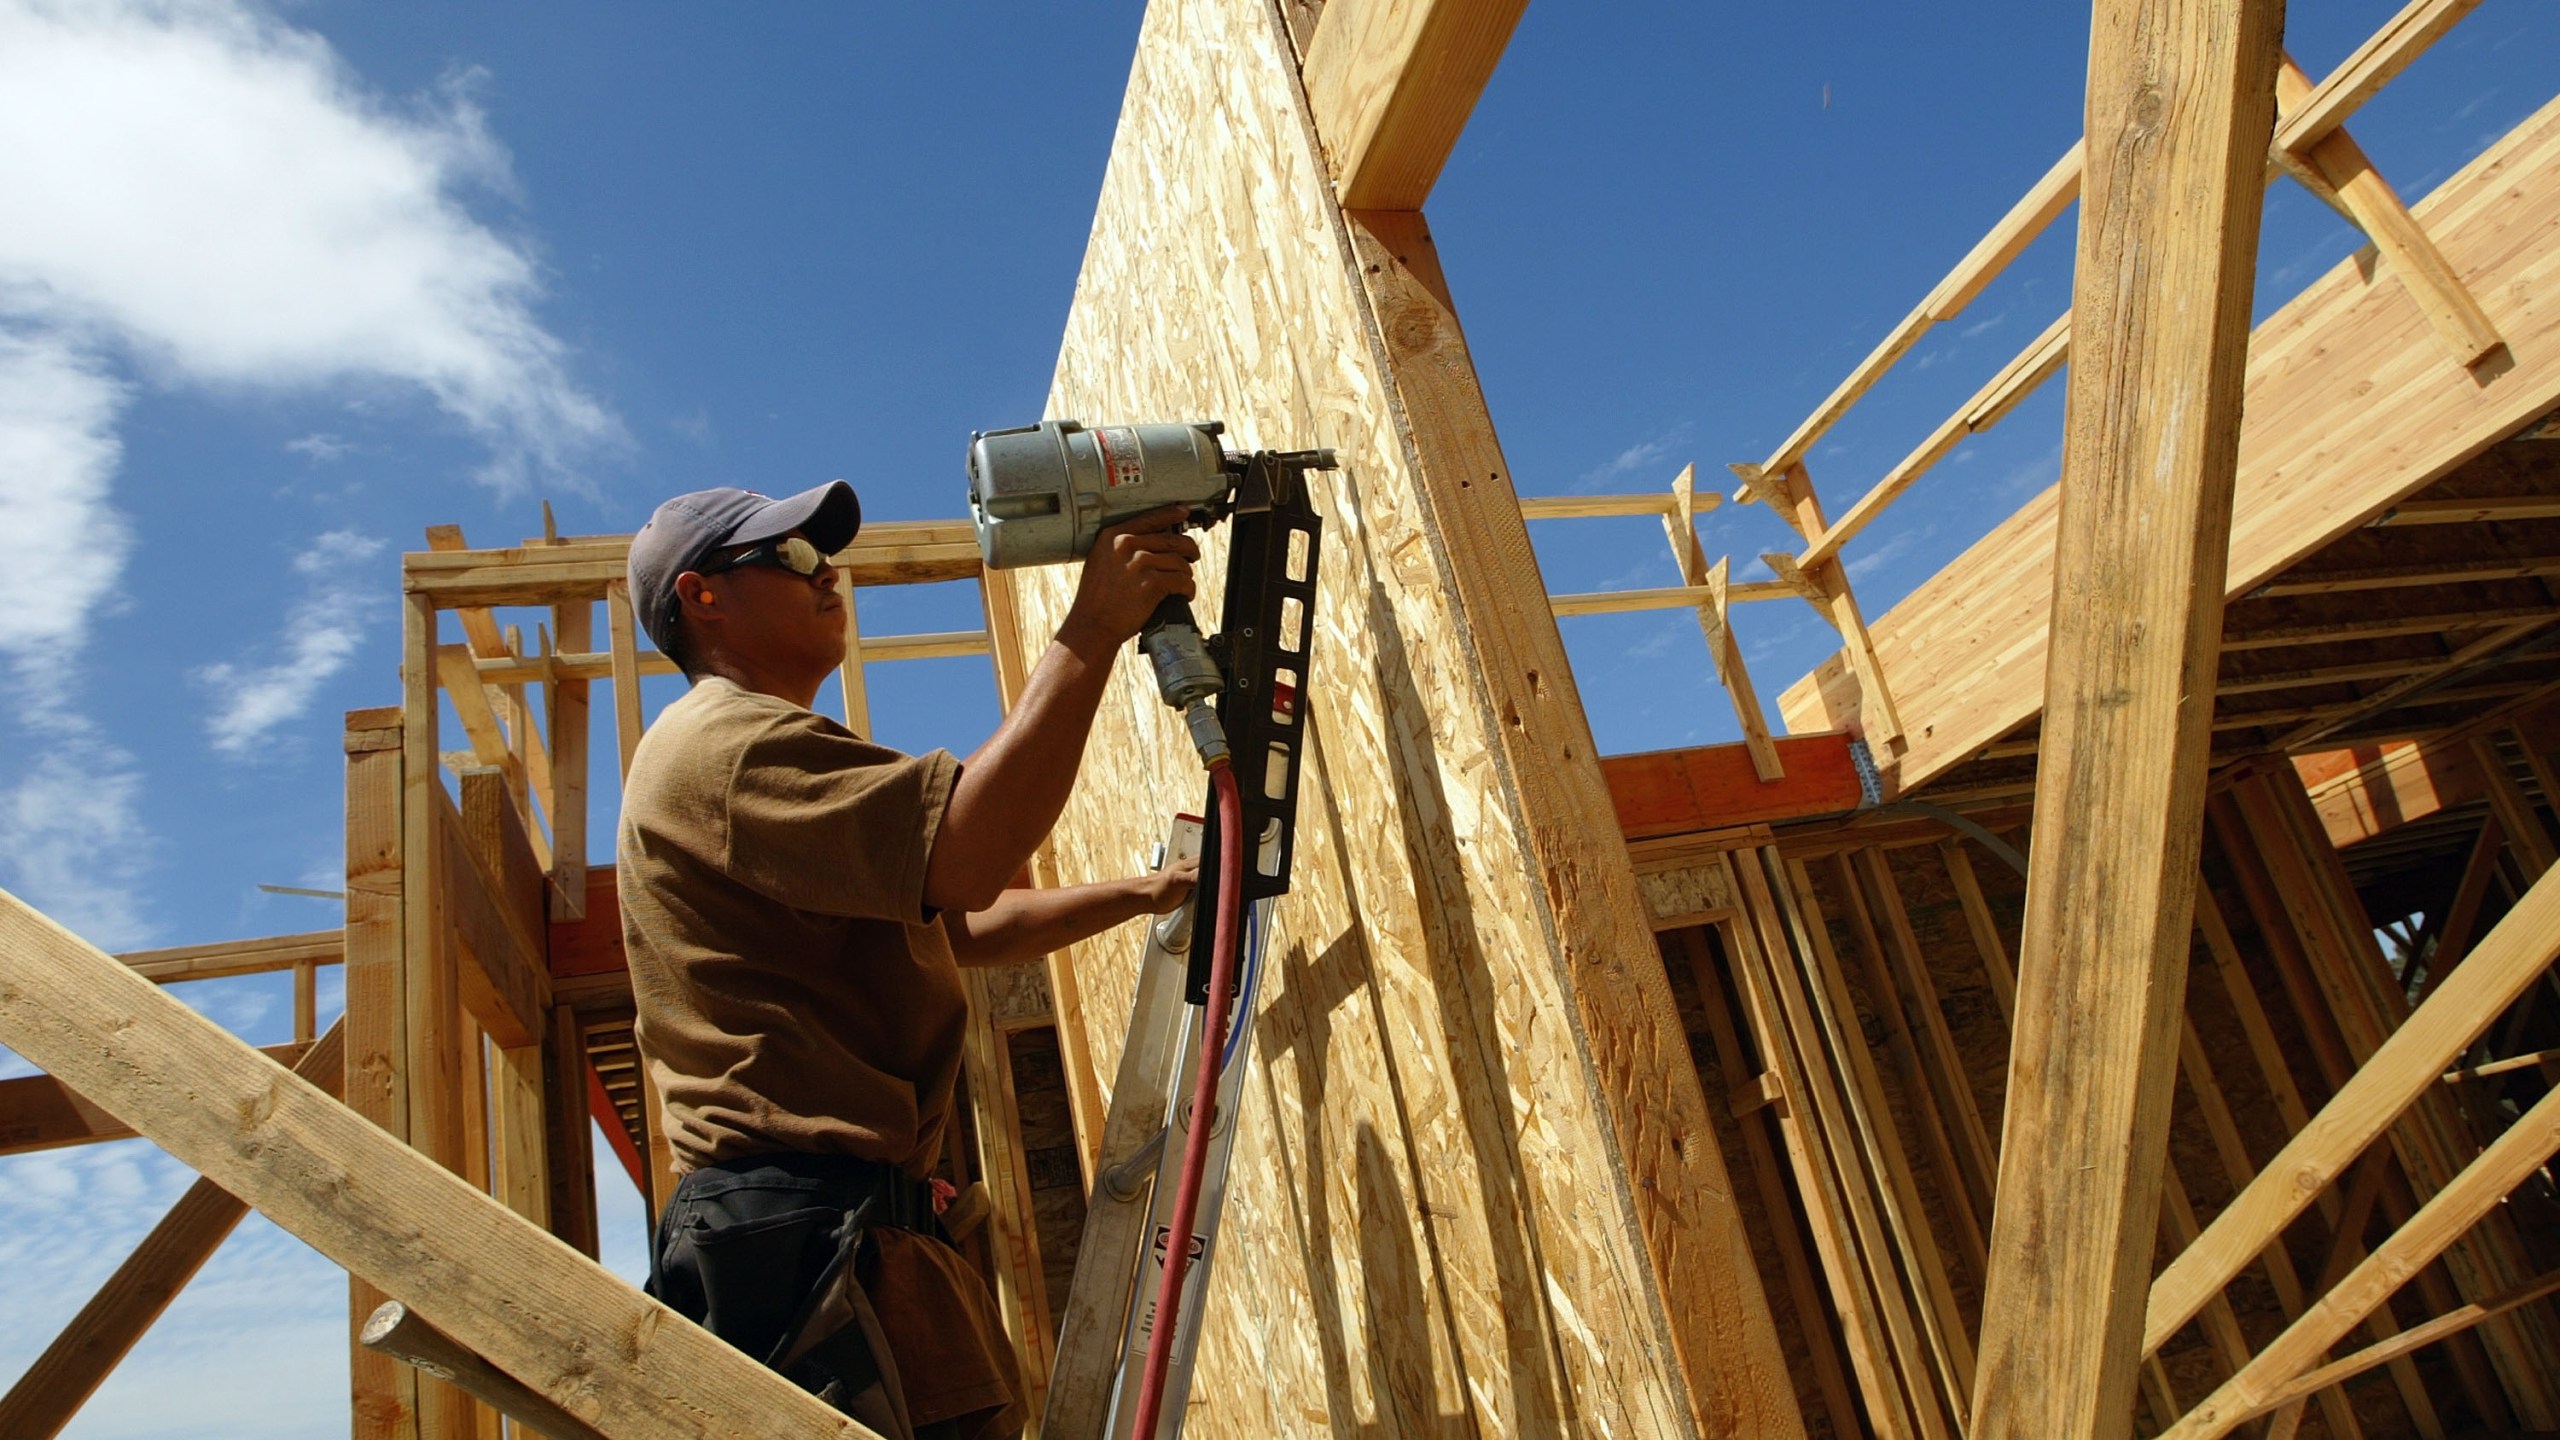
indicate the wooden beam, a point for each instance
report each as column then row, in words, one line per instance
column 2443, row 1219
column 500, row 977
column 554, row 1320
column 50, row 1391
column 2340, row 164
column 2018, row 379
column 237, row 957
column 38, row 1112
column 2180, row 104
column 1668, row 597
column 1391, row 83
column 1709, row 787
column 375, row 1081
column 2038, row 208
column 565, row 707
column 2325, row 1380
column 2470, row 510
column 2319, row 460
column 2402, row 39
column 620, row 624
column 395, row 1330
column 2507, row 961
column 1680, row 527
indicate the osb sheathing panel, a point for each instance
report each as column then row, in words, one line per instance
column 1432, row 1226
column 2353, row 404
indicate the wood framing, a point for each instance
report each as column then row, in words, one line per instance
column 1397, row 1195
column 2318, row 459
column 2181, row 106
column 489, row 1278
column 1391, row 83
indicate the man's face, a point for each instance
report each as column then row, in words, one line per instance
column 772, row 617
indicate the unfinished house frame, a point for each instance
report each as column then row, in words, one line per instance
column 1752, row 1090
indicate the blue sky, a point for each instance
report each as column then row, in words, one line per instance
column 282, row 285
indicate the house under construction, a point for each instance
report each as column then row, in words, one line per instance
column 1762, row 1090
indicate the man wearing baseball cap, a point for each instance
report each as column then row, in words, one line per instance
column 795, row 901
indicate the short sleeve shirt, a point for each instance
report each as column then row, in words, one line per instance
column 793, row 992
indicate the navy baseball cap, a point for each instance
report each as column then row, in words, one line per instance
column 689, row 527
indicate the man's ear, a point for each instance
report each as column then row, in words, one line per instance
column 697, row 596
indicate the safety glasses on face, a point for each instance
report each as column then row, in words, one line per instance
column 791, row 553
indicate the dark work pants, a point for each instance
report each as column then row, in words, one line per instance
column 743, row 1250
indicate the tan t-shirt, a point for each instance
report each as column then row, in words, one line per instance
column 793, row 995
column 792, row 992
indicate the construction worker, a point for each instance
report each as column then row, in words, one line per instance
column 794, row 902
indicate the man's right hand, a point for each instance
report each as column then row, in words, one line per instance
column 1133, row 567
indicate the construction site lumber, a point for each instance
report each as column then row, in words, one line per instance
column 2180, row 107
column 1672, row 792
column 2318, row 458
column 2402, row 39
column 38, row 1112
column 80, row 1359
column 1479, row 1156
column 395, row 1330
column 1392, row 82
column 493, row 1280
column 2480, row 1186
column 2498, row 970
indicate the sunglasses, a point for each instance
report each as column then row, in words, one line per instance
column 790, row 553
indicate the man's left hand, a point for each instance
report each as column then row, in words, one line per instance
column 1166, row 889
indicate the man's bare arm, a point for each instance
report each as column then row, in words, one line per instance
column 1011, row 791
column 1026, row 924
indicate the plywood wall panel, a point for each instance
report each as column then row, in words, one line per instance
column 1433, row 1225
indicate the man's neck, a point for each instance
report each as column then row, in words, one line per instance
column 738, row 670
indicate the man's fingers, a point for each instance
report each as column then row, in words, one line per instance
column 1172, row 542
column 1162, row 518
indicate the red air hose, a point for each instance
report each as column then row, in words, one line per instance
column 1204, row 1097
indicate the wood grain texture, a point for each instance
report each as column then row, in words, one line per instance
column 2181, row 106
column 488, row 1277
column 1458, row 1188
column 384, row 1393
column 61, row 1380
column 2351, row 407
column 1391, row 83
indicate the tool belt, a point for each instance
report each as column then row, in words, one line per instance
column 760, row 1251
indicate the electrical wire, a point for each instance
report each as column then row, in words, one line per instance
column 1204, row 1099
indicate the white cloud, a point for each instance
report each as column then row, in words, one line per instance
column 213, row 190
column 72, row 842
column 1639, row 456
column 320, row 635
column 58, row 454
column 320, row 447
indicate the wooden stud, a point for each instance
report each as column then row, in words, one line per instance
column 1391, row 83
column 2180, row 107
column 61, row 1380
column 857, row 695
column 1979, row 924
column 1632, row 1060
column 1012, row 1237
column 2478, row 1188
column 488, row 1277
column 2406, row 1065
column 2432, row 1140
column 1829, row 1381
column 2324, row 1380
column 564, row 705
column 1950, row 1338
column 1874, row 1342
column 1942, row 1060
column 2239, row 1169
column 1917, row 1091
column 626, row 671
column 376, row 1078
column 2525, row 832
